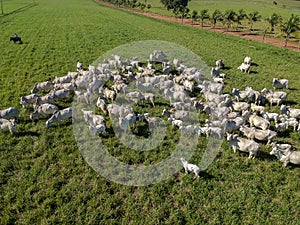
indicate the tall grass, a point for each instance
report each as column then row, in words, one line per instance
column 44, row 179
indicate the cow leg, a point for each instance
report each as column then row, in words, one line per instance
column 285, row 163
column 234, row 149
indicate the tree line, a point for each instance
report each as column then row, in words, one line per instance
column 231, row 18
column 135, row 4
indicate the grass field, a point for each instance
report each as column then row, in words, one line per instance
column 265, row 8
column 284, row 7
column 45, row 180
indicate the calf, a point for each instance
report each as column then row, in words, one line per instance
column 248, row 60
column 190, row 167
column 244, row 68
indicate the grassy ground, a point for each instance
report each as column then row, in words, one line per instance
column 284, row 8
column 44, row 179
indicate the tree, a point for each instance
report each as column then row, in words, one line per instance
column 241, row 14
column 148, row 7
column 273, row 20
column 290, row 26
column 253, row 17
column 216, row 16
column 229, row 17
column 142, row 6
column 184, row 12
column 203, row 16
column 178, row 6
column 195, row 16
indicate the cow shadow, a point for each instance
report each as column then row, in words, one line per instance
column 28, row 133
column 265, row 156
column 290, row 102
column 253, row 72
column 205, row 175
column 226, row 68
column 291, row 166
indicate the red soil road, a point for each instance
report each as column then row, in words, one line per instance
column 279, row 42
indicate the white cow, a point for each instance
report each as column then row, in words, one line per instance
column 9, row 125
column 240, row 106
column 63, row 79
column 286, row 156
column 25, row 101
column 44, row 99
column 100, row 128
column 62, row 93
column 213, row 87
column 114, row 109
column 127, row 121
column 219, row 63
column 215, row 72
column 280, row 83
column 243, row 145
column 262, row 135
column 149, row 97
column 42, row 86
column 92, row 118
column 259, row 122
column 43, row 110
column 248, row 60
column 244, row 68
column 9, row 113
column 101, row 104
column 190, row 167
column 61, row 115
column 109, row 94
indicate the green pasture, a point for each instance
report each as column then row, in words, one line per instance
column 266, row 8
column 284, row 8
column 45, row 180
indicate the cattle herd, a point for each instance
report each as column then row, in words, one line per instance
column 239, row 116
